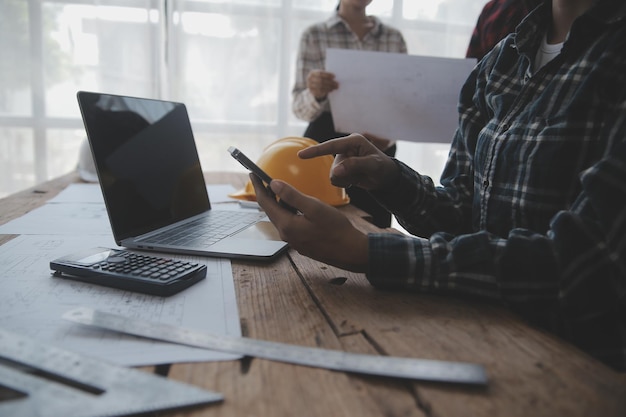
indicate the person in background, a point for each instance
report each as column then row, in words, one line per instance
column 497, row 19
column 349, row 28
column 531, row 211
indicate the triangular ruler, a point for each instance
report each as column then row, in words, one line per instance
column 47, row 381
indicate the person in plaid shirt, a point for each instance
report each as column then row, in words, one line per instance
column 348, row 28
column 497, row 19
column 531, row 211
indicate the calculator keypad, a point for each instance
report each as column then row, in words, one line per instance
column 126, row 270
column 132, row 264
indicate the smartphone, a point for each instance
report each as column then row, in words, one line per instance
column 255, row 169
column 251, row 166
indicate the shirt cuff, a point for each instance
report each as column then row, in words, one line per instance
column 403, row 193
column 313, row 107
column 398, row 260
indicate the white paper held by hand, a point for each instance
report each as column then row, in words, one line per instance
column 396, row 96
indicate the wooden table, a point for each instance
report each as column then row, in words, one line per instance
column 300, row 301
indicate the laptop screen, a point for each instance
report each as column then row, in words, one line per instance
column 147, row 161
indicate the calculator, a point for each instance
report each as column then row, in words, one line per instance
column 129, row 271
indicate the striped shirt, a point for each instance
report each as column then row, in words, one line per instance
column 335, row 33
column 532, row 207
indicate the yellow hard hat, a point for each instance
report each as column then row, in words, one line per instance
column 309, row 176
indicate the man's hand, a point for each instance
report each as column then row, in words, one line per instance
column 320, row 231
column 320, row 83
column 381, row 143
column 357, row 162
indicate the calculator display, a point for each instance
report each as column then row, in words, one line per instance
column 95, row 258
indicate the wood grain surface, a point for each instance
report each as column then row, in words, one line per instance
column 304, row 302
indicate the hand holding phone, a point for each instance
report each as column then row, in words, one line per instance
column 251, row 166
column 256, row 170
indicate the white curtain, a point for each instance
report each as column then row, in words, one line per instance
column 231, row 63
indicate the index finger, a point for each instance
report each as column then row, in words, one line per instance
column 350, row 145
column 266, row 198
column 264, row 195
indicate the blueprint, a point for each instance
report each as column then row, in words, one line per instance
column 32, row 300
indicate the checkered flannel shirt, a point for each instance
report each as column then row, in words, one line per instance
column 532, row 207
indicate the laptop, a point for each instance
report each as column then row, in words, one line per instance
column 153, row 186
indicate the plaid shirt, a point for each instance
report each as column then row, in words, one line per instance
column 335, row 33
column 497, row 19
column 532, row 207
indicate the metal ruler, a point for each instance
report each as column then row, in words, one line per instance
column 45, row 381
column 409, row 368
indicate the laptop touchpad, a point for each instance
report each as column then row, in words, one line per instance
column 260, row 230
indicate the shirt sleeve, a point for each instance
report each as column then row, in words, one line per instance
column 310, row 56
column 396, row 42
column 571, row 280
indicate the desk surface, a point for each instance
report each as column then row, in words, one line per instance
column 300, row 301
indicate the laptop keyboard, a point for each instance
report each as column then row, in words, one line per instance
column 206, row 230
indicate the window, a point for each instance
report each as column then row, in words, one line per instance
column 231, row 62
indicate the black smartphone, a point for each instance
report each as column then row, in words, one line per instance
column 251, row 166
column 255, row 169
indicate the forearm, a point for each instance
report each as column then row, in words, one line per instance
column 421, row 207
column 571, row 281
column 310, row 57
column 306, row 107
